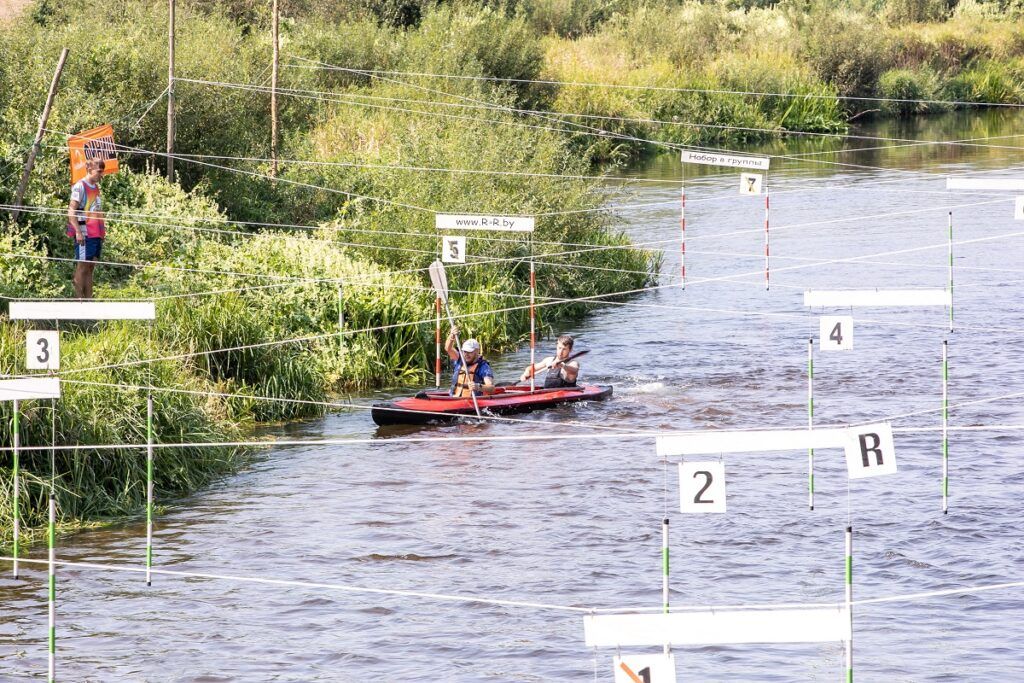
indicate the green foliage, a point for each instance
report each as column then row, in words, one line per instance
column 846, row 49
column 906, row 90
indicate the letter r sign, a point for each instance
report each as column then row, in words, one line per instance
column 870, row 451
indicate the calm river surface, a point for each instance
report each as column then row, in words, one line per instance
column 578, row 523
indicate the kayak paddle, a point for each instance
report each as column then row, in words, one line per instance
column 440, row 283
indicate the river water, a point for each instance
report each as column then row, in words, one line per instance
column 578, row 522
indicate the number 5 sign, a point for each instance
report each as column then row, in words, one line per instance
column 454, row 249
column 701, row 487
column 645, row 668
column 835, row 333
column 42, row 350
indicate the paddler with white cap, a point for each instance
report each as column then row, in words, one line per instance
column 480, row 378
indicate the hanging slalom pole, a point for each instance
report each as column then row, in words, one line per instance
column 437, row 342
column 767, row 242
column 664, row 570
column 810, row 421
column 950, row 271
column 945, row 427
column 52, row 588
column 16, row 441
column 849, row 602
column 682, row 227
column 440, row 282
column 533, row 320
column 149, row 490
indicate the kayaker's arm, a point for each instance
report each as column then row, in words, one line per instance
column 449, row 345
column 532, row 370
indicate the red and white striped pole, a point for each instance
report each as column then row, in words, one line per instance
column 533, row 321
column 437, row 342
column 767, row 242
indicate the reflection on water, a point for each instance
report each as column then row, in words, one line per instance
column 578, row 522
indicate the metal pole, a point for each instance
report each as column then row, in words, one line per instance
column 149, row 490
column 273, row 93
column 945, row 427
column 849, row 602
column 810, row 421
column 682, row 227
column 16, row 440
column 170, row 92
column 52, row 576
column 31, row 161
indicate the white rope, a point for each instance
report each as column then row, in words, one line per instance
column 328, row 67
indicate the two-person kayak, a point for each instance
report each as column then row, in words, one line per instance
column 438, row 406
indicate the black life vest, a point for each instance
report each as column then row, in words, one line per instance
column 554, row 380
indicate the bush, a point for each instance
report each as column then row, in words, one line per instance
column 909, row 87
column 845, row 49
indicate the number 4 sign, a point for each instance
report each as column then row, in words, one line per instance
column 42, row 350
column 701, row 487
column 835, row 332
column 645, row 668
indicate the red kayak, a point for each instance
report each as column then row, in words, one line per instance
column 438, row 406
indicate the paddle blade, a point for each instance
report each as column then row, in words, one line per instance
column 439, row 281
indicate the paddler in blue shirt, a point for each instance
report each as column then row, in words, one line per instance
column 559, row 372
column 481, row 377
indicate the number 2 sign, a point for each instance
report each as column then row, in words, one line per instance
column 42, row 350
column 835, row 333
column 701, row 487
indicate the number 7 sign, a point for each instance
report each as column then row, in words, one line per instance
column 701, row 487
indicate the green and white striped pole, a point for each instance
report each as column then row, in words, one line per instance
column 149, row 489
column 849, row 602
column 16, row 441
column 664, row 570
column 51, row 543
column 950, row 271
column 810, row 421
column 945, row 426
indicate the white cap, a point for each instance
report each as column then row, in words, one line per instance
column 470, row 345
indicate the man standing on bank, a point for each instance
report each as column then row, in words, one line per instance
column 479, row 379
column 559, row 373
column 86, row 226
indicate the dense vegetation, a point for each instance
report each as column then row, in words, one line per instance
column 342, row 224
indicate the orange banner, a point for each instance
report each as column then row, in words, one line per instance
column 97, row 143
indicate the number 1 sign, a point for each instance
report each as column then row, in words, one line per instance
column 701, row 487
column 645, row 668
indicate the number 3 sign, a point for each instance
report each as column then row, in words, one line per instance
column 701, row 487
column 42, row 350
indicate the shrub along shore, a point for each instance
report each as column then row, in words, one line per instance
column 237, row 259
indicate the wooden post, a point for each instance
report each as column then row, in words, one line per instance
column 170, row 92
column 273, row 94
column 31, row 161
